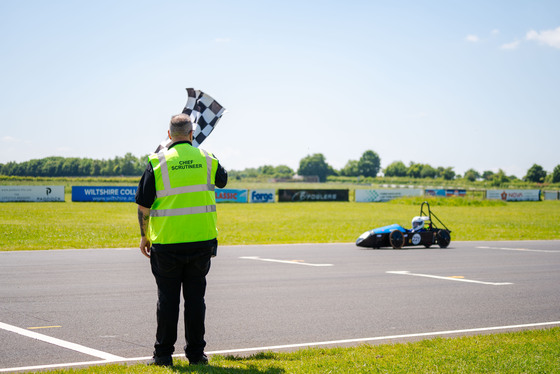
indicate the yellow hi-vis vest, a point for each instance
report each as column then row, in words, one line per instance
column 184, row 210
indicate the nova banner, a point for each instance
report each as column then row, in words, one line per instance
column 514, row 195
column 31, row 193
column 377, row 196
column 312, row 195
column 103, row 193
column 228, row 195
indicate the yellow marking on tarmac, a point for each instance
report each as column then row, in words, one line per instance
column 42, row 327
column 457, row 277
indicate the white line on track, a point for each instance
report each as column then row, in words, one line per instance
column 389, row 337
column 448, row 278
column 519, row 249
column 300, row 345
column 293, row 262
column 59, row 342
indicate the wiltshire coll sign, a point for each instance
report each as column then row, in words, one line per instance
column 105, row 194
column 32, row 193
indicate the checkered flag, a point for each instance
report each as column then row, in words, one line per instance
column 205, row 112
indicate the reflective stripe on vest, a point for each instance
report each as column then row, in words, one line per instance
column 168, row 191
column 183, row 211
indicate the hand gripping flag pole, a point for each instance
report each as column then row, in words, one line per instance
column 205, row 112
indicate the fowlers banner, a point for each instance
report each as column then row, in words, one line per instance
column 312, row 195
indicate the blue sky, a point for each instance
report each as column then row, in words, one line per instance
column 462, row 84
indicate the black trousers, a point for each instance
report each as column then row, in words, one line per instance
column 172, row 269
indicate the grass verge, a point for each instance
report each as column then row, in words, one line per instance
column 535, row 351
column 30, row 226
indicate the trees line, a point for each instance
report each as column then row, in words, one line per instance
column 76, row 167
column 369, row 165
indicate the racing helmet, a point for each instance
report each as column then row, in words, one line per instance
column 418, row 222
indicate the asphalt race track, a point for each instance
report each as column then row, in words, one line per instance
column 65, row 308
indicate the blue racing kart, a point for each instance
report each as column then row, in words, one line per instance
column 427, row 229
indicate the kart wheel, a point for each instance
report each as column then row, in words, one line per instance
column 396, row 238
column 443, row 238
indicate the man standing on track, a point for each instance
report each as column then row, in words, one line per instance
column 177, row 217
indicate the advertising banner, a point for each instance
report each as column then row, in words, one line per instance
column 262, row 196
column 103, row 193
column 551, row 195
column 514, row 195
column 312, row 195
column 369, row 196
column 225, row 195
column 31, row 193
column 445, row 193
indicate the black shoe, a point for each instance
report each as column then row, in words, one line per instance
column 161, row 361
column 202, row 360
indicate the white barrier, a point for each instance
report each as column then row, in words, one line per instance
column 56, row 193
column 31, row 193
column 367, row 196
column 551, row 195
column 514, row 195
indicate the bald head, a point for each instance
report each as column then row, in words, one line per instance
column 180, row 127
